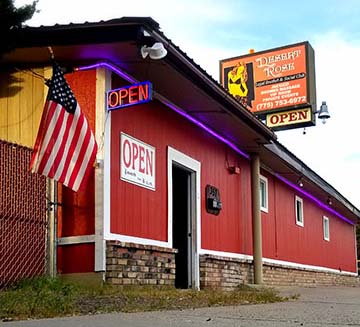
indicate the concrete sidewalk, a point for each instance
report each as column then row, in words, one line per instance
column 316, row 306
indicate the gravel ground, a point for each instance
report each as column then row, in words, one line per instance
column 316, row 306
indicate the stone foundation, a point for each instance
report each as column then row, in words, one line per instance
column 229, row 273
column 135, row 264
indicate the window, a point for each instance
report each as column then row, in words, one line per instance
column 299, row 212
column 263, row 193
column 326, row 228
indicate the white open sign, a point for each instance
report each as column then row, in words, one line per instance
column 137, row 163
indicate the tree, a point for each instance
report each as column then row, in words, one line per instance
column 11, row 19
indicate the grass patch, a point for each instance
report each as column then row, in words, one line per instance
column 52, row 297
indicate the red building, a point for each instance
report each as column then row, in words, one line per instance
column 189, row 189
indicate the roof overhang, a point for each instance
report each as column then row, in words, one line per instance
column 177, row 78
column 286, row 166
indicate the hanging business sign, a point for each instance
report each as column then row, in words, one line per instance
column 137, row 162
column 273, row 81
column 129, row 95
column 281, row 120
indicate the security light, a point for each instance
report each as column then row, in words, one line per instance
column 323, row 113
column 157, row 51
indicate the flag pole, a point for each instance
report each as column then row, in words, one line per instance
column 53, row 213
column 52, row 216
column 52, row 57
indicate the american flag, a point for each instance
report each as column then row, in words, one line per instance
column 65, row 147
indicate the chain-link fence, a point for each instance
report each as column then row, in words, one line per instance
column 23, row 217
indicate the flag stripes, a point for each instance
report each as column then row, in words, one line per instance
column 65, row 148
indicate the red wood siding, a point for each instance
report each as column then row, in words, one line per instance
column 139, row 212
column 77, row 214
column 136, row 211
column 284, row 240
column 77, row 258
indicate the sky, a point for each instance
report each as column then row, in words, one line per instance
column 209, row 31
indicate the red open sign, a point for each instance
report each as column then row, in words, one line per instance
column 129, row 95
column 137, row 162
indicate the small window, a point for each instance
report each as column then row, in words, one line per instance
column 299, row 211
column 263, row 193
column 326, row 228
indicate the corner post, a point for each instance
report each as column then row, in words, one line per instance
column 256, row 218
column 103, row 82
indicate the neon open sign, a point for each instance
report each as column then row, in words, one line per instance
column 129, row 95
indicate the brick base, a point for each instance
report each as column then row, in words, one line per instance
column 135, row 264
column 228, row 273
column 224, row 273
column 280, row 275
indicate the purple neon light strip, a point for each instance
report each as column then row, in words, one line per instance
column 111, row 67
column 213, row 133
column 168, row 104
column 203, row 126
column 311, row 197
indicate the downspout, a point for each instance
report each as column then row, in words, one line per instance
column 256, row 218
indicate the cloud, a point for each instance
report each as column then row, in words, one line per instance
column 329, row 149
column 210, row 30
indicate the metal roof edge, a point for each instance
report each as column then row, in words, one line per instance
column 40, row 35
column 282, row 152
column 121, row 29
column 126, row 20
column 215, row 86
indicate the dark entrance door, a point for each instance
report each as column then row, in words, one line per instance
column 182, row 225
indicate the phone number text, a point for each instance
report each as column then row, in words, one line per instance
column 280, row 103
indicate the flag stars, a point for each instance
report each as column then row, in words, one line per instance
column 62, row 151
column 61, row 92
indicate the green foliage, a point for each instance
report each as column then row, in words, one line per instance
column 41, row 297
column 51, row 297
column 11, row 19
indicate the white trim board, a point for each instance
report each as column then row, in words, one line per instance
column 103, row 82
column 82, row 239
column 107, row 183
column 137, row 240
column 232, row 255
column 176, row 156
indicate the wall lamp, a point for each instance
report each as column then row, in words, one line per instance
column 323, row 113
column 300, row 182
column 329, row 201
column 156, row 52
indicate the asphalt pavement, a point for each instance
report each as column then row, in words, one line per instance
column 316, row 306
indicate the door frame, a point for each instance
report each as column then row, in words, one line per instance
column 194, row 166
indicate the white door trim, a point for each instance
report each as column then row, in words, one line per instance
column 194, row 165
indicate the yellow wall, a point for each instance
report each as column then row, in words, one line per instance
column 22, row 96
